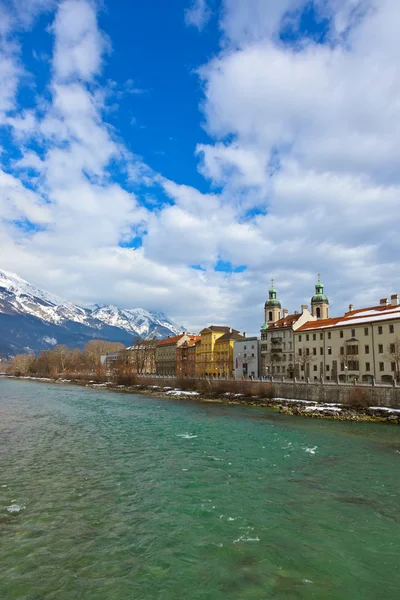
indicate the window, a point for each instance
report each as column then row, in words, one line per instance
column 351, row 349
column 264, row 347
column 314, row 336
column 299, row 338
column 321, row 336
column 380, row 348
column 302, row 367
column 380, row 330
column 278, row 369
column 245, row 355
column 318, row 312
column 284, row 357
column 353, row 333
column 342, row 366
column 365, row 330
column 308, row 351
column 270, row 316
column 315, row 368
column 366, row 348
column 300, row 352
column 327, row 368
column 341, row 334
column 391, row 328
column 321, row 350
column 252, row 347
column 329, row 335
column 314, row 351
column 381, row 366
column 245, row 347
column 329, row 350
column 307, row 337
column 393, row 366
column 367, row 366
column 290, row 356
column 341, row 349
column 252, row 354
column 353, row 365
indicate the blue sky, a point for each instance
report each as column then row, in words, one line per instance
column 178, row 155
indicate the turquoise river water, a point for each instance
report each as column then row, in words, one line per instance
column 116, row 496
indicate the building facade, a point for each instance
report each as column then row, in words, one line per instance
column 213, row 360
column 223, row 354
column 186, row 358
column 277, row 343
column 166, row 354
column 363, row 345
column 247, row 358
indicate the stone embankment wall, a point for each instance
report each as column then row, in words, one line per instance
column 339, row 393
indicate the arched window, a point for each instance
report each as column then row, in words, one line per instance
column 270, row 315
column 318, row 313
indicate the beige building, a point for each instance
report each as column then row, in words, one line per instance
column 166, row 353
column 362, row 345
column 277, row 345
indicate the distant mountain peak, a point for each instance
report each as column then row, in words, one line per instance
column 20, row 300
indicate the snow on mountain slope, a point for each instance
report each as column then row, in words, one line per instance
column 135, row 320
column 18, row 298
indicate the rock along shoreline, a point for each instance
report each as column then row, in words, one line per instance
column 293, row 407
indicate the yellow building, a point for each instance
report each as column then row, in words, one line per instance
column 214, row 351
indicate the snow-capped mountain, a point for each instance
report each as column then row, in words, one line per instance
column 135, row 320
column 34, row 319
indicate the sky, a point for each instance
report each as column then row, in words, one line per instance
column 177, row 156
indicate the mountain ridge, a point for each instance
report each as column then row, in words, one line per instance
column 32, row 319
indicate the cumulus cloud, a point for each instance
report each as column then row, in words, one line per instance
column 301, row 159
column 198, row 14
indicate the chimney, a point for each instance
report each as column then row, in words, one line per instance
column 351, row 307
column 394, row 300
column 230, row 329
column 296, row 312
column 244, row 334
column 384, row 302
column 304, row 307
column 285, row 313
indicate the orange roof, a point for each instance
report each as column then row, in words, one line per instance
column 355, row 317
column 171, row 340
column 285, row 322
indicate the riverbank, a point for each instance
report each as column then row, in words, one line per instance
column 288, row 406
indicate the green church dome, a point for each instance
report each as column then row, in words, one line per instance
column 272, row 302
column 319, row 295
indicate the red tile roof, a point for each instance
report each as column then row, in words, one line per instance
column 285, row 321
column 171, row 340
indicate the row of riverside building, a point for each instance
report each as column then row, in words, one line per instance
column 362, row 345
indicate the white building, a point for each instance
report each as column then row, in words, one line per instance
column 246, row 358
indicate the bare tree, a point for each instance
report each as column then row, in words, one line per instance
column 95, row 349
column 303, row 362
column 21, row 364
column 393, row 355
column 348, row 358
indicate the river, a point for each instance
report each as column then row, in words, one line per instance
column 109, row 496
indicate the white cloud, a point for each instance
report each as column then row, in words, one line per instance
column 79, row 44
column 198, row 14
column 303, row 155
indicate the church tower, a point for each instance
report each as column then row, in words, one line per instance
column 272, row 308
column 319, row 302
